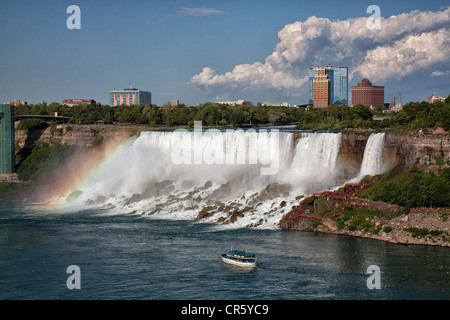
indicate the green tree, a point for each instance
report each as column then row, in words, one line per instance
column 401, row 118
column 447, row 100
column 108, row 118
column 125, row 116
column 276, row 116
column 237, row 117
column 154, row 115
column 362, row 112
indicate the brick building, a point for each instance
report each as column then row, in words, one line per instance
column 321, row 89
column 366, row 94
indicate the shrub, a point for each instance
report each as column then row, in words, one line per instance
column 417, row 232
column 33, row 123
column 41, row 159
column 435, row 233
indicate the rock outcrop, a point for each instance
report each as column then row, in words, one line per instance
column 72, row 134
column 343, row 212
column 352, row 152
column 423, row 149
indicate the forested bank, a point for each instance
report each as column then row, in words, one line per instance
column 415, row 115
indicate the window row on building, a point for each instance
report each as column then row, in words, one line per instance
column 328, row 85
column 129, row 97
column 366, row 94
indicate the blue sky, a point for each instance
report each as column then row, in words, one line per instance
column 165, row 46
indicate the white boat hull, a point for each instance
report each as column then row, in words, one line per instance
column 239, row 263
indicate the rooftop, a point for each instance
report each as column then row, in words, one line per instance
column 127, row 89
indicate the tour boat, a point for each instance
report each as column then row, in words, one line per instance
column 239, row 258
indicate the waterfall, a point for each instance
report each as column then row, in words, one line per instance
column 239, row 177
column 373, row 161
column 315, row 164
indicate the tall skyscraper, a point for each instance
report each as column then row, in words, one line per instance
column 129, row 97
column 338, row 89
column 321, row 89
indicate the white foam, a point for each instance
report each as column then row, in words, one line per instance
column 143, row 178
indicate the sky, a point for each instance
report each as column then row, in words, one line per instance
column 197, row 51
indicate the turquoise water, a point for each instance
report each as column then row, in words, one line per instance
column 136, row 257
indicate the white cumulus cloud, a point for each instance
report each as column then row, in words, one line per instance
column 405, row 43
column 405, row 56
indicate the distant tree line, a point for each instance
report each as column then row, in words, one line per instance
column 414, row 115
column 211, row 114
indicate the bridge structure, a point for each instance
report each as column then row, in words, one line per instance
column 43, row 117
column 7, row 135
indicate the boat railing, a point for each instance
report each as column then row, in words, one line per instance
column 240, row 253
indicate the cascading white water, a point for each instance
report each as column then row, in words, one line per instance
column 237, row 177
column 315, row 164
column 373, row 161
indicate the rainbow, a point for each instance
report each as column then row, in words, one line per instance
column 80, row 171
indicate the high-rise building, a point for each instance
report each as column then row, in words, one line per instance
column 338, row 88
column 321, row 89
column 366, row 94
column 7, row 135
column 129, row 97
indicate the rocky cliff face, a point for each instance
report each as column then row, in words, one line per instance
column 418, row 148
column 81, row 135
column 426, row 150
column 418, row 228
column 352, row 152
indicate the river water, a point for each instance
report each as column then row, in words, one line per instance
column 122, row 256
